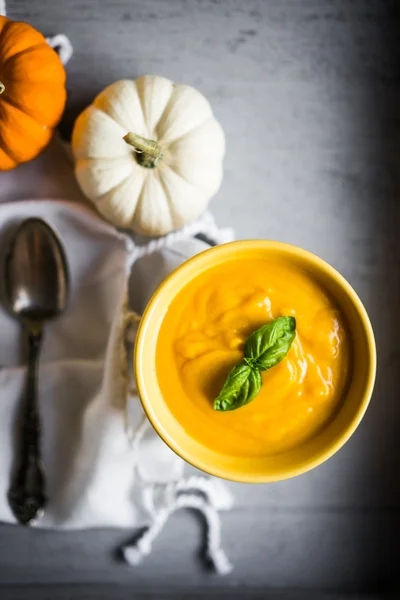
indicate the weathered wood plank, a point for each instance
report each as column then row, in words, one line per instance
column 118, row 592
column 270, row 549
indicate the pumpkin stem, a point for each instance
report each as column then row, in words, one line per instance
column 2, row 87
column 149, row 152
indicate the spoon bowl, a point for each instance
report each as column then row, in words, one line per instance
column 36, row 273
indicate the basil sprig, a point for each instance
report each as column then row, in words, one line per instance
column 263, row 349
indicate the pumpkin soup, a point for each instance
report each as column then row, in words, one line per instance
column 202, row 337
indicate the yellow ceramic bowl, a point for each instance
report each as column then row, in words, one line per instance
column 309, row 454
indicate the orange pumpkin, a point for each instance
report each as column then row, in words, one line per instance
column 32, row 92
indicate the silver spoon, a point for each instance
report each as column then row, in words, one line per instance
column 36, row 287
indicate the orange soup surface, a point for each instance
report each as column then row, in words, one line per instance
column 202, row 338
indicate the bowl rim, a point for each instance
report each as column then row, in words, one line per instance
column 290, row 251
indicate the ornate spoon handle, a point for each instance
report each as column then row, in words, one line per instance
column 26, row 495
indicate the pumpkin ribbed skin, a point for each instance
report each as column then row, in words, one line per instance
column 179, row 120
column 34, row 93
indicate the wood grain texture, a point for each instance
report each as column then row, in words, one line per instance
column 123, row 593
column 307, row 92
column 298, row 549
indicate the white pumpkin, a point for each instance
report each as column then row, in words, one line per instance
column 149, row 154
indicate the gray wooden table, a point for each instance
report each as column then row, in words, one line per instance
column 308, row 94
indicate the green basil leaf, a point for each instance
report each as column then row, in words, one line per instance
column 267, row 346
column 242, row 385
column 263, row 349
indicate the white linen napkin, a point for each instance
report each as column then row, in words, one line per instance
column 105, row 465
